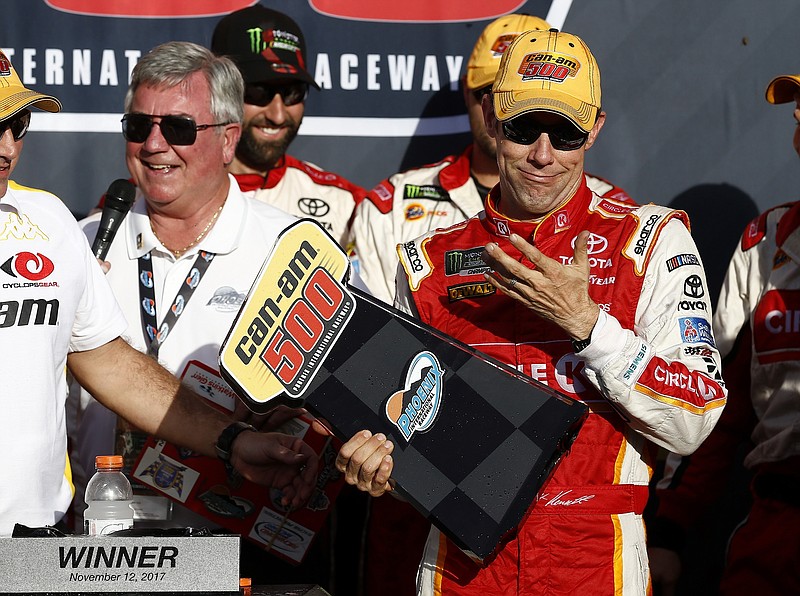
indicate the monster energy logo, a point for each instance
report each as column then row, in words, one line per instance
column 281, row 40
column 427, row 191
column 256, row 39
column 464, row 262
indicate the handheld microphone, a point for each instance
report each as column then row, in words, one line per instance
column 118, row 200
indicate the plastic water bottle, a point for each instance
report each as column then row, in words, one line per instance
column 108, row 498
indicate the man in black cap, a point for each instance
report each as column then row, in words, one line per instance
column 269, row 49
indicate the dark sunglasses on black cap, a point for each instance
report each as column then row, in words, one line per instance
column 18, row 125
column 177, row 130
column 261, row 94
column 525, row 129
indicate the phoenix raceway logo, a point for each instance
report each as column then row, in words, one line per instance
column 415, row 407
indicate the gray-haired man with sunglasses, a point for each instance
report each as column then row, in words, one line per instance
column 269, row 49
column 192, row 244
column 600, row 299
column 57, row 311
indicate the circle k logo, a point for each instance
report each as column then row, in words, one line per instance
column 33, row 267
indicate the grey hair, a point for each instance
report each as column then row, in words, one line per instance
column 171, row 63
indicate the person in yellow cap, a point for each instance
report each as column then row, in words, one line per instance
column 58, row 311
column 602, row 300
column 410, row 203
column 399, row 209
column 757, row 327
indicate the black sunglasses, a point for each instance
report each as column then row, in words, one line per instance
column 524, row 130
column 18, row 125
column 177, row 130
column 261, row 94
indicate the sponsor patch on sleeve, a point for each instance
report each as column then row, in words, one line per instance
column 674, row 381
column 651, row 219
column 682, row 260
column 415, row 262
column 696, row 330
column 637, row 364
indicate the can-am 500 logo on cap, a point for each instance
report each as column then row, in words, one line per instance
column 149, row 8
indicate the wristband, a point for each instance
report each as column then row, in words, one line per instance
column 578, row 345
column 581, row 344
column 224, row 445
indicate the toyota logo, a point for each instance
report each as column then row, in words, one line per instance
column 594, row 244
column 693, row 287
column 314, row 207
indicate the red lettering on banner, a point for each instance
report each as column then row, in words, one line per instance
column 420, row 11
column 776, row 327
column 140, row 9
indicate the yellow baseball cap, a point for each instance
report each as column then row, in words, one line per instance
column 782, row 89
column 496, row 37
column 549, row 71
column 14, row 97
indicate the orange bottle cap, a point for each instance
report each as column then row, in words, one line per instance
column 108, row 461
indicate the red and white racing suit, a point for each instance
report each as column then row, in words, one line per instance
column 304, row 190
column 641, row 376
column 405, row 206
column 757, row 326
column 412, row 203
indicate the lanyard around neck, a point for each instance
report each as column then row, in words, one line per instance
column 154, row 336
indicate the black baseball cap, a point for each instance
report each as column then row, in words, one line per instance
column 265, row 44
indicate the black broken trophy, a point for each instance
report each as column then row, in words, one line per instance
column 474, row 439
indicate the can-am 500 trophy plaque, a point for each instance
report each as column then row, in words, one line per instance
column 474, row 439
